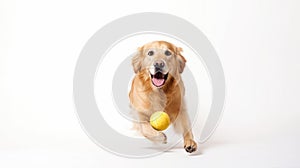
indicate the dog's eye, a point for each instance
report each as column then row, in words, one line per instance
column 150, row 53
column 168, row 53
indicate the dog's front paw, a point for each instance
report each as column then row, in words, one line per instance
column 160, row 138
column 190, row 145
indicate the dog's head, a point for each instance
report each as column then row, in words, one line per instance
column 160, row 60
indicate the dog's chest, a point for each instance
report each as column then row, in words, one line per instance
column 158, row 100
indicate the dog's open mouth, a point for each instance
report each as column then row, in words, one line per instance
column 159, row 79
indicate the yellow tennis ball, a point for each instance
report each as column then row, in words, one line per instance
column 160, row 120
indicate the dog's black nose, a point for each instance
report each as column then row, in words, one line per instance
column 159, row 64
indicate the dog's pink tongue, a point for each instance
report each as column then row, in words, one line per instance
column 158, row 82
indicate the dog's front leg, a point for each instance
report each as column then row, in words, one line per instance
column 150, row 133
column 189, row 144
column 182, row 125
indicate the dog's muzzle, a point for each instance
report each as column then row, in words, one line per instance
column 158, row 73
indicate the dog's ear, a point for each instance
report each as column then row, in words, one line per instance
column 136, row 61
column 181, row 60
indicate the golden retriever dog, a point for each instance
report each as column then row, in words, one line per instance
column 157, row 86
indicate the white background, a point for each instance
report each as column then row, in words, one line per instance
column 257, row 42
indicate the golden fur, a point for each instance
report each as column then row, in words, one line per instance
column 145, row 98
